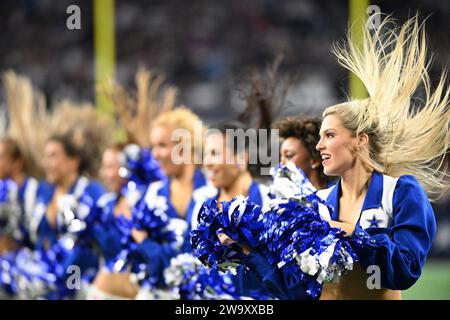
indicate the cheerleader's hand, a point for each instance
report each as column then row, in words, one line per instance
column 227, row 241
column 348, row 228
column 138, row 235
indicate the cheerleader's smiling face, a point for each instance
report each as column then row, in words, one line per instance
column 109, row 171
column 221, row 165
column 57, row 163
column 293, row 150
column 162, row 147
column 337, row 146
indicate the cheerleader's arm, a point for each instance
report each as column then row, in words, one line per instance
column 400, row 254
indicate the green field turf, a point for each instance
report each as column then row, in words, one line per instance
column 434, row 283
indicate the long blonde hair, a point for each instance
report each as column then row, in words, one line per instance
column 405, row 137
column 31, row 124
column 28, row 119
column 136, row 110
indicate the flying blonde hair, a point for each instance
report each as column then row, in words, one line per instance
column 26, row 111
column 31, row 125
column 136, row 111
column 405, row 136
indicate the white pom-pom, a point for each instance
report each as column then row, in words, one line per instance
column 132, row 150
column 308, row 263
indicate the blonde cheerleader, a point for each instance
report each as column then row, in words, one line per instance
column 135, row 115
column 388, row 152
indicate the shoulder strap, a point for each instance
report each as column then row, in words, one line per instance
column 323, row 209
column 389, row 184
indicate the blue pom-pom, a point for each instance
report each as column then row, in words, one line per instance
column 302, row 241
column 139, row 166
column 159, row 227
column 289, row 231
column 188, row 279
column 239, row 219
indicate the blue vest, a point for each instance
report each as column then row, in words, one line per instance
column 27, row 196
column 157, row 196
column 40, row 229
column 395, row 228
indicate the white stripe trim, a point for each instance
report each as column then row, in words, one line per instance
column 389, row 184
column 30, row 199
column 40, row 209
column 105, row 199
column 384, row 212
column 324, row 193
column 323, row 209
column 36, row 218
column 200, row 195
column 152, row 193
column 264, row 192
column 81, row 185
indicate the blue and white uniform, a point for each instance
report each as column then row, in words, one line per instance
column 43, row 235
column 40, row 229
column 22, row 197
column 27, row 196
column 108, row 235
column 394, row 231
column 157, row 196
column 106, row 230
column 42, row 272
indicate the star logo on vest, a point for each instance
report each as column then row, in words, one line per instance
column 374, row 222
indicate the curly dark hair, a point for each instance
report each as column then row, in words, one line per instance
column 307, row 130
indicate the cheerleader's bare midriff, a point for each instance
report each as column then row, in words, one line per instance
column 117, row 284
column 353, row 286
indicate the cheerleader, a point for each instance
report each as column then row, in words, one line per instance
column 13, row 166
column 387, row 152
column 64, row 167
column 387, row 157
column 176, row 194
column 226, row 164
column 120, row 199
column 64, row 211
column 56, row 146
column 299, row 137
column 19, row 149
